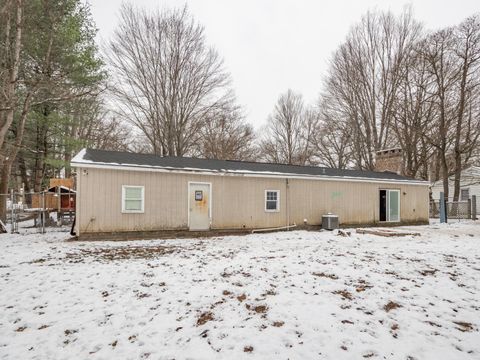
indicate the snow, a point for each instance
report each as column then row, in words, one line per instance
column 80, row 157
column 282, row 295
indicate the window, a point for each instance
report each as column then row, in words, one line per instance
column 390, row 205
column 272, row 200
column 464, row 194
column 133, row 199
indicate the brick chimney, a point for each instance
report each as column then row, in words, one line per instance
column 389, row 160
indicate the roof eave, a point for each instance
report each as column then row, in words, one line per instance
column 99, row 165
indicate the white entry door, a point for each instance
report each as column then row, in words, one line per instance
column 199, row 206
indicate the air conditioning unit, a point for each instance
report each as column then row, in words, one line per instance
column 329, row 221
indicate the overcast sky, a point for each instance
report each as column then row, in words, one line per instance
column 271, row 45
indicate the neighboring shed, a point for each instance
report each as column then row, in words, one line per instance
column 67, row 195
column 124, row 192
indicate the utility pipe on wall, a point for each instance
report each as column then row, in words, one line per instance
column 274, row 228
column 287, row 204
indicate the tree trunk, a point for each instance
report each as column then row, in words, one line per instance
column 12, row 78
column 445, row 175
column 458, row 131
column 4, row 179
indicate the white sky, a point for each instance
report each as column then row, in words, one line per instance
column 271, row 45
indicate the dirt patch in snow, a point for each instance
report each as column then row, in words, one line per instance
column 204, row 318
column 322, row 274
column 242, row 297
column 259, row 309
column 346, row 295
column 119, row 253
column 428, row 272
column 391, row 305
column 248, row 349
column 464, row 326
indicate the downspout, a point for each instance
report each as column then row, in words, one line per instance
column 287, row 204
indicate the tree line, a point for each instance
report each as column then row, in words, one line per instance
column 157, row 86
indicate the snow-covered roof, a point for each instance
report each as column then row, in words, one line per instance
column 62, row 189
column 112, row 159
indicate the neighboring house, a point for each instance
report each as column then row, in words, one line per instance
column 469, row 185
column 127, row 192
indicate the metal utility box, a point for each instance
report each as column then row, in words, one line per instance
column 330, row 221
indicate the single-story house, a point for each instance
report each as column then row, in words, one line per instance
column 469, row 186
column 128, row 192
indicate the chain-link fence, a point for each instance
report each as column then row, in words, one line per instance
column 37, row 211
column 455, row 209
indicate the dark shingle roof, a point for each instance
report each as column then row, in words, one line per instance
column 91, row 156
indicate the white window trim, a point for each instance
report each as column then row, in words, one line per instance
column 388, row 205
column 278, row 201
column 125, row 211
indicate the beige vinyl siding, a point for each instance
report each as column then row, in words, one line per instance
column 237, row 201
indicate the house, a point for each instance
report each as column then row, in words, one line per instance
column 469, row 186
column 128, row 192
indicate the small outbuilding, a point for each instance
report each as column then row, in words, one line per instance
column 127, row 192
column 60, row 196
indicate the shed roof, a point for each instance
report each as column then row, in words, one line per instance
column 105, row 158
column 63, row 189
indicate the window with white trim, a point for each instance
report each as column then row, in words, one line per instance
column 133, row 199
column 272, row 200
column 464, row 194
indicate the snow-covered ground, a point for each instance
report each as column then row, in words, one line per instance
column 297, row 295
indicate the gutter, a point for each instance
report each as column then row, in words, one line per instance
column 206, row 172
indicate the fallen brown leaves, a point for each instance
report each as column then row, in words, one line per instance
column 463, row 326
column 120, row 253
column 204, row 318
column 322, row 274
column 391, row 306
column 344, row 294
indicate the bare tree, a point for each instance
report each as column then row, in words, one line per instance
column 332, row 137
column 436, row 50
column 414, row 115
column 467, row 122
column 94, row 126
column 168, row 81
column 289, row 132
column 364, row 79
column 227, row 136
